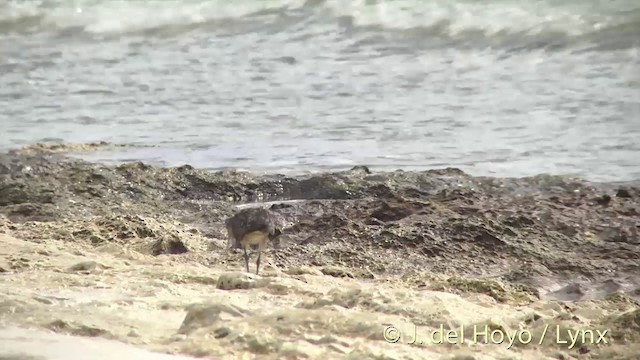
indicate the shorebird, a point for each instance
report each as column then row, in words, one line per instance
column 251, row 227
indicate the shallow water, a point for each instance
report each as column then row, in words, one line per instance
column 506, row 88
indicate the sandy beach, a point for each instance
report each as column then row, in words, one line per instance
column 133, row 260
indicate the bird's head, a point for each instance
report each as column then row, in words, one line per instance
column 275, row 234
column 274, row 237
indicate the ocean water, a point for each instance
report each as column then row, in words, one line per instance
column 496, row 87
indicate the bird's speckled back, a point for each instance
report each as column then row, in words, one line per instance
column 250, row 220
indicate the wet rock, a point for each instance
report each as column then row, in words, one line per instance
column 86, row 267
column 623, row 193
column 20, row 193
column 603, row 200
column 302, row 270
column 133, row 166
column 168, row 245
column 221, row 332
column 185, row 168
column 44, row 300
column 77, row 329
column 20, row 213
column 611, row 286
column 532, row 318
column 204, row 315
column 374, row 222
column 123, row 227
column 571, row 292
column 4, row 169
column 519, row 221
column 281, row 206
column 584, row 349
column 237, row 280
column 382, row 191
column 615, row 235
column 486, row 238
column 393, row 211
column 360, row 170
column 323, row 187
column 389, row 239
column 337, row 272
column 331, row 221
column 629, row 210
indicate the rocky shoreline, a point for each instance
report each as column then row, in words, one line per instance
column 543, row 242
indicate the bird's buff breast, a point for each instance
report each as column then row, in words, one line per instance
column 254, row 238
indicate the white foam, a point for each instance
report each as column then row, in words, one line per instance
column 490, row 17
column 120, row 16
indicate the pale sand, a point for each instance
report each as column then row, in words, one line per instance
column 32, row 344
column 144, row 301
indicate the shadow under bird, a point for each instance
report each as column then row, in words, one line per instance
column 252, row 227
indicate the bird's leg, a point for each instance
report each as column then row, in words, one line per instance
column 246, row 258
column 276, row 249
column 260, row 249
column 258, row 261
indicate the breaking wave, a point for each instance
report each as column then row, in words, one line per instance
column 419, row 18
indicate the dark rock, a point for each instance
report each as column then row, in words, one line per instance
column 623, row 193
column 360, row 169
column 486, row 238
column 519, row 221
column 604, row 200
column 203, row 315
column 380, row 191
column 85, row 266
column 611, row 286
column 571, row 292
column 323, row 187
column 584, row 349
column 78, row 329
column 19, row 193
column 281, row 206
column 221, row 332
column 20, row 213
column 393, row 212
column 337, row 272
column 614, row 235
column 374, row 222
column 168, row 245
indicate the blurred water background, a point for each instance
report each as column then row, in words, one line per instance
column 499, row 87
